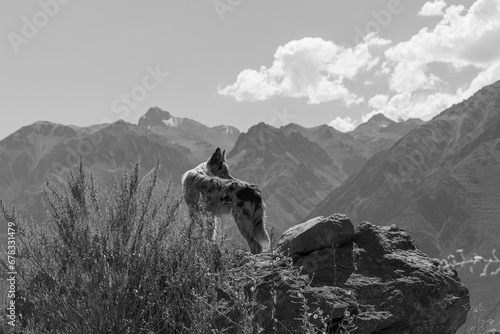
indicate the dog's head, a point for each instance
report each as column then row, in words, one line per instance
column 216, row 165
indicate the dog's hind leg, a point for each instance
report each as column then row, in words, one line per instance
column 211, row 227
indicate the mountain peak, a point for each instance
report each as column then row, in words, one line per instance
column 155, row 116
column 157, row 112
column 294, row 126
column 259, row 127
column 227, row 129
column 379, row 119
column 382, row 132
column 374, row 124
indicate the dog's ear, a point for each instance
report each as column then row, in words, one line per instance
column 217, row 156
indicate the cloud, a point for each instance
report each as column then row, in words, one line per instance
column 310, row 67
column 425, row 104
column 433, row 8
column 378, row 101
column 343, row 124
column 484, row 78
column 462, row 38
column 317, row 70
column 407, row 105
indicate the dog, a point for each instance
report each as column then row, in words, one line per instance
column 210, row 187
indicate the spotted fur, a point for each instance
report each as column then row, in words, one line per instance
column 223, row 196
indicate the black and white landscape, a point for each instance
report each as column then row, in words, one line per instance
column 387, row 112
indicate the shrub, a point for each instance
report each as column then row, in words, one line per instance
column 126, row 261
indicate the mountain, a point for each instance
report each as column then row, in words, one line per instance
column 201, row 140
column 372, row 128
column 347, row 152
column 296, row 167
column 380, row 132
column 47, row 150
column 292, row 172
column 440, row 182
column 228, row 130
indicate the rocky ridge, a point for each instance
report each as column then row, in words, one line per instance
column 368, row 279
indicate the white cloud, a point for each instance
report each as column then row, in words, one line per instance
column 310, row 67
column 462, row 38
column 411, row 105
column 317, row 69
column 484, row 78
column 425, row 104
column 343, row 124
column 434, row 8
column 378, row 101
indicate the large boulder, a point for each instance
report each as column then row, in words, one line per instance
column 316, row 234
column 374, row 280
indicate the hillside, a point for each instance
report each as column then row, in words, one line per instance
column 292, row 158
column 293, row 172
column 47, row 150
column 347, row 152
column 440, row 183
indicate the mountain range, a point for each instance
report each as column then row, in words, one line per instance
column 439, row 180
column 296, row 167
column 47, row 150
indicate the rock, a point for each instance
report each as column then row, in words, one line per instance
column 397, row 283
column 375, row 281
column 316, row 234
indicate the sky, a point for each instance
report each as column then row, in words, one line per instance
column 241, row 62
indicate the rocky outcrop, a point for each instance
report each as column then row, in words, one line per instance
column 370, row 279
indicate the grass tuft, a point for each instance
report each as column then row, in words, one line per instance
column 126, row 261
